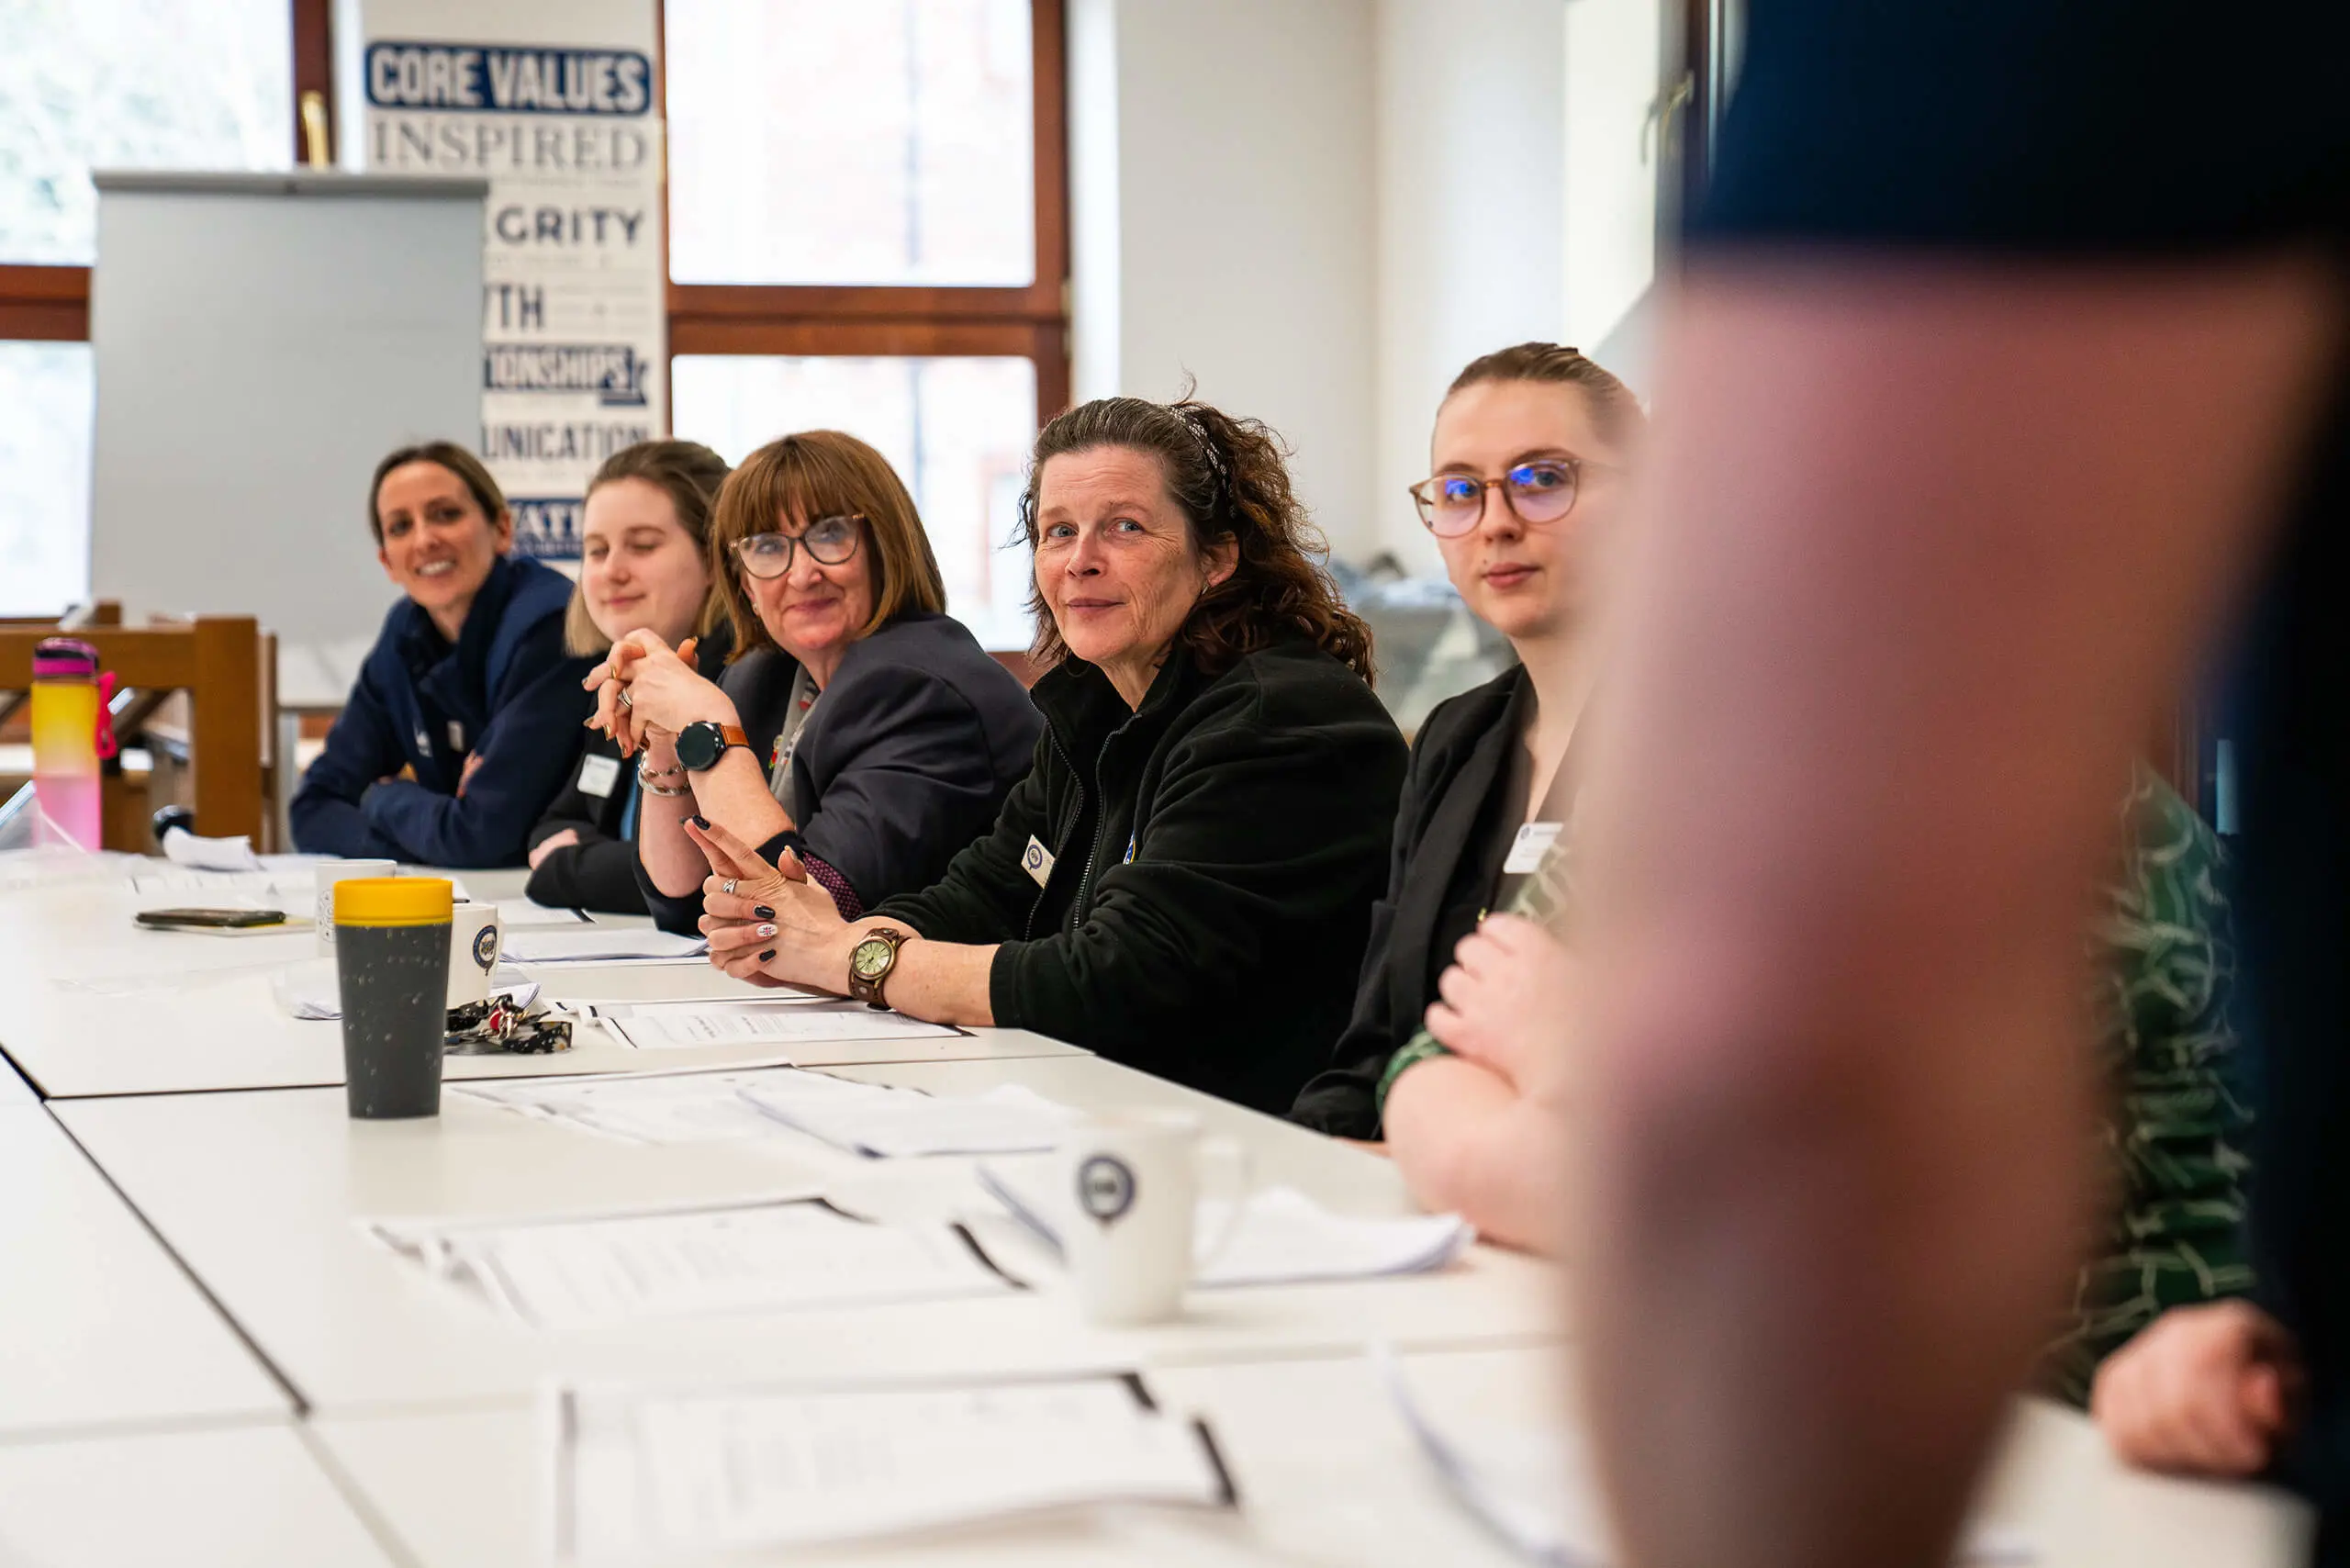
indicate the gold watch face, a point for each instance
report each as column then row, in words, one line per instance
column 871, row 959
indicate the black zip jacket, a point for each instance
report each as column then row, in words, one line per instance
column 598, row 873
column 1206, row 868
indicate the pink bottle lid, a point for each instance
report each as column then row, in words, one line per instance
column 65, row 659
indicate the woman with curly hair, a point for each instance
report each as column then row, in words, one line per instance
column 1183, row 882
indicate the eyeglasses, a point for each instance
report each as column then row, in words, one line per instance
column 829, row 541
column 1452, row 504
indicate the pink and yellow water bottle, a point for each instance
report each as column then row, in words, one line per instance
column 71, row 733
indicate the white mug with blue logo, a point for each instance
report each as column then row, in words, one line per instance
column 475, row 937
column 1128, row 1195
column 329, row 872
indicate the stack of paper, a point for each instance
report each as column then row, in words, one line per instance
column 782, row 1021
column 883, row 1123
column 520, row 915
column 1283, row 1236
column 602, row 945
column 182, row 847
column 643, row 1107
column 657, row 1476
column 592, row 1271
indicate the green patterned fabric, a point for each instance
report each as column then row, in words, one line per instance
column 2173, row 1142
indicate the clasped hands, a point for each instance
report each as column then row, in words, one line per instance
column 645, row 687
column 769, row 923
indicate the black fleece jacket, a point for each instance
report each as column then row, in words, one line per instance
column 1204, row 869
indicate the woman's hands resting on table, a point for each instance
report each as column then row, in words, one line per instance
column 775, row 927
column 664, row 691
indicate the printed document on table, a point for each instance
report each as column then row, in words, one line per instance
column 770, row 1256
column 643, row 1107
column 884, row 1122
column 769, row 1021
column 655, row 1475
column 599, row 945
column 1284, row 1236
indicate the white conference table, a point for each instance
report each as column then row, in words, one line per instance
column 98, row 1326
column 130, row 1397
column 227, row 1498
column 261, row 1195
column 98, row 1006
column 1326, row 1472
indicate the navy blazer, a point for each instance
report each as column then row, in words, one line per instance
column 906, row 759
column 505, row 692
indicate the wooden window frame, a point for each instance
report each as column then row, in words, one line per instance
column 885, row 320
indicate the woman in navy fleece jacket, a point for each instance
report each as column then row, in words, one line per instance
column 466, row 716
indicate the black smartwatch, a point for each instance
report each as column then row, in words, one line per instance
column 700, row 744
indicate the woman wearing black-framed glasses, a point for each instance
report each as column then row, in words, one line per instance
column 856, row 727
column 1528, row 453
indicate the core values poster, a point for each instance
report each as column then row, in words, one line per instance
column 554, row 105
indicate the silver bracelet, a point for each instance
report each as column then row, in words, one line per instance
column 674, row 771
column 664, row 790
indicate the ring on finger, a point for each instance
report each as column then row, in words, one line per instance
column 727, row 887
column 626, row 701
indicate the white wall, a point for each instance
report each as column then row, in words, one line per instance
column 1470, row 99
column 1612, row 84
column 1322, row 209
column 1223, row 193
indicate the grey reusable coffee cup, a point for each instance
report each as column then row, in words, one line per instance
column 391, row 960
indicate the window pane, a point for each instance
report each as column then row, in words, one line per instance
column 132, row 84
column 957, row 431
column 883, row 143
column 45, row 415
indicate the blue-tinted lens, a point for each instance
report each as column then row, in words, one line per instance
column 1542, row 492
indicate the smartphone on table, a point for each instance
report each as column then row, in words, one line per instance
column 208, row 918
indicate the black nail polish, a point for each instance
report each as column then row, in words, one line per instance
column 766, row 956
column 763, row 912
column 701, row 822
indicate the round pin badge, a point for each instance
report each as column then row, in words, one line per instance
column 486, row 947
column 1105, row 1188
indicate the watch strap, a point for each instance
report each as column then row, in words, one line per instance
column 869, row 990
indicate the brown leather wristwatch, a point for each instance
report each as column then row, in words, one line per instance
column 871, row 962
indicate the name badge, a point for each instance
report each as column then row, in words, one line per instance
column 598, row 774
column 1038, row 861
column 1526, row 852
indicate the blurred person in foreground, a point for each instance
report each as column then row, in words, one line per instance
column 2007, row 330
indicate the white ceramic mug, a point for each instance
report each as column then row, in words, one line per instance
column 476, row 936
column 329, row 872
column 1127, row 1195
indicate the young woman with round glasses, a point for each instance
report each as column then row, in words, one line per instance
column 1530, row 450
column 856, row 726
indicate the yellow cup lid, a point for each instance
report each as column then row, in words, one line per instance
column 393, row 901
